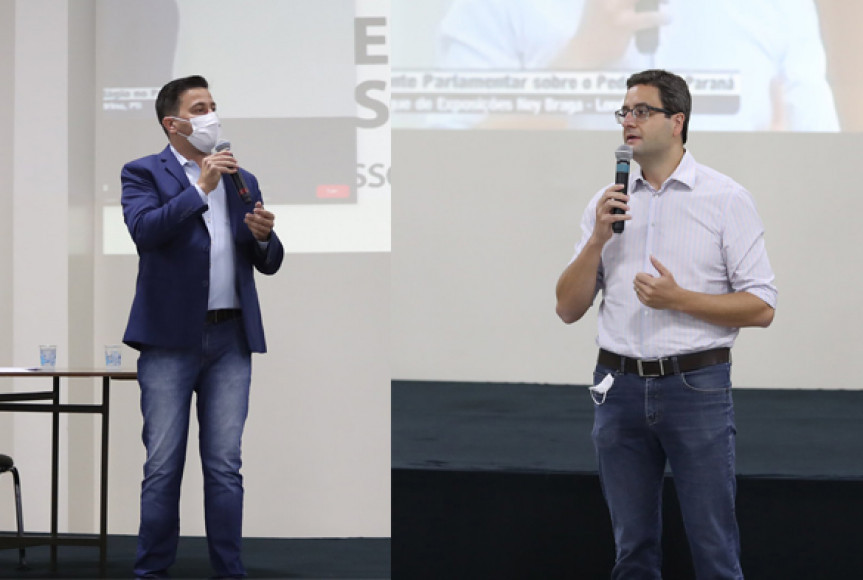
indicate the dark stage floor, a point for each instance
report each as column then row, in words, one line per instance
column 292, row 559
column 499, row 481
column 521, row 427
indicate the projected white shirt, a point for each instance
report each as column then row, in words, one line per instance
column 704, row 228
column 772, row 48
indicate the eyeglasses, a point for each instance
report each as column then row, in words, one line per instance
column 640, row 112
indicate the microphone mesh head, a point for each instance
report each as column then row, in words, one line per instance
column 225, row 144
column 622, row 153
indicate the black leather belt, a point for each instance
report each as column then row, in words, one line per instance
column 217, row 316
column 660, row 367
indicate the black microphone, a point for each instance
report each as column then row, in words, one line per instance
column 647, row 39
column 623, row 154
column 237, row 178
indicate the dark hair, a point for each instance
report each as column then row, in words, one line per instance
column 673, row 91
column 168, row 100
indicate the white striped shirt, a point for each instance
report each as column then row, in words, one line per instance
column 704, row 228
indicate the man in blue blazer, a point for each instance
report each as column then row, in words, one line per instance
column 195, row 319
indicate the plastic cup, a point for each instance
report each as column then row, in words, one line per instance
column 113, row 356
column 48, row 356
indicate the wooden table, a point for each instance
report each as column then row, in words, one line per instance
column 26, row 402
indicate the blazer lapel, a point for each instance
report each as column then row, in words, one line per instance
column 236, row 212
column 173, row 167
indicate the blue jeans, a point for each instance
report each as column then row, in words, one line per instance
column 219, row 373
column 684, row 419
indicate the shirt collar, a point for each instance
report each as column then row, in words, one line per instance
column 684, row 174
column 180, row 159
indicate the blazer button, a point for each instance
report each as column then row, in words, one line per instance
column 205, row 283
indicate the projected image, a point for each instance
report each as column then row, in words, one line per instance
column 263, row 88
column 752, row 65
column 284, row 78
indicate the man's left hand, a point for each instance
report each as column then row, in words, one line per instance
column 260, row 222
column 660, row 292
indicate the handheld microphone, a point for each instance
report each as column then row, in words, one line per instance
column 237, row 178
column 623, row 154
column 647, row 40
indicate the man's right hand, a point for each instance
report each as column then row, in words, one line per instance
column 612, row 198
column 212, row 168
column 605, row 32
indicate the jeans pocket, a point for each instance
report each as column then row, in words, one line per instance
column 711, row 379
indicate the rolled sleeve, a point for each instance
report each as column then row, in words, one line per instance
column 746, row 258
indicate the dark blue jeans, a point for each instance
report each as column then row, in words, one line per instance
column 218, row 374
column 686, row 420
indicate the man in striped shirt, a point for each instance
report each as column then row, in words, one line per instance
column 688, row 271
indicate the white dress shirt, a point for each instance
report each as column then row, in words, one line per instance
column 704, row 228
column 223, row 291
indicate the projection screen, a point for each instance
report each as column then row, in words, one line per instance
column 764, row 65
column 292, row 118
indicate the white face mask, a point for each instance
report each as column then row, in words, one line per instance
column 205, row 131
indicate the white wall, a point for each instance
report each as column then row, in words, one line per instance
column 7, row 67
column 316, row 449
column 40, row 218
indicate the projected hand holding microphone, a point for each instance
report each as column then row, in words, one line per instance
column 600, row 41
column 647, row 39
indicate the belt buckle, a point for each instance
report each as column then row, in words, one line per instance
column 639, row 364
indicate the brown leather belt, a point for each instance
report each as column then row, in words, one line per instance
column 217, row 316
column 660, row 367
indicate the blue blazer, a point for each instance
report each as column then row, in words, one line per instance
column 163, row 212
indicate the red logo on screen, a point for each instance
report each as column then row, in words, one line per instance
column 334, row 191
